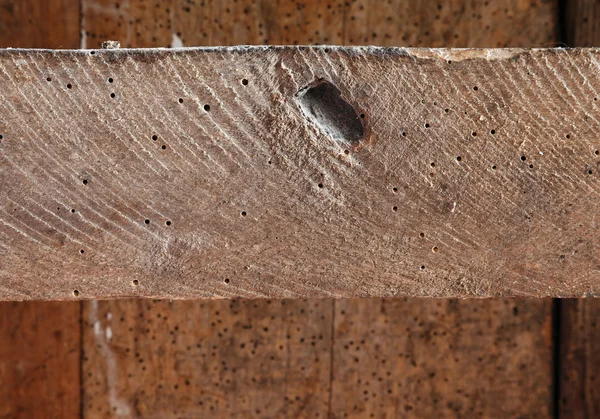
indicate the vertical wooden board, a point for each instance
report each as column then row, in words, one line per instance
column 579, row 352
column 39, row 24
column 39, row 341
column 454, row 23
column 581, row 24
column 218, row 359
column 445, row 358
column 39, row 360
column 579, row 359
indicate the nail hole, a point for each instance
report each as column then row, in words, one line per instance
column 76, row 293
column 446, row 110
column 346, row 151
column 494, row 167
column 531, row 166
column 596, row 152
column 458, row 158
column 85, row 182
column 227, row 280
column 421, row 235
column 523, row 158
column 113, row 95
column 49, row 79
column 567, row 136
column 427, row 125
column 93, row 52
column 110, row 80
column 135, row 282
column 395, row 190
column 590, row 172
column 147, row 221
column 69, row 86
column 207, row 108
column 474, row 134
column 422, row 267
column 245, row 82
column 73, row 210
column 475, row 88
column 394, row 209
column 244, row 213
column 362, row 115
column 180, row 100
column 404, row 134
column 154, row 137
column 82, row 251
column 168, row 223
column 493, row 131
column 435, row 249
column 320, row 185
column 164, row 147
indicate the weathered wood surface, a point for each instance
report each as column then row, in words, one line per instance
column 475, row 174
column 446, row 358
column 39, row 359
column 579, row 339
column 224, row 359
column 39, row 340
column 488, row 24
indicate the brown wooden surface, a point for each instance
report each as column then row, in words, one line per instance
column 39, row 360
column 446, row 358
column 39, row 341
column 490, row 192
column 220, row 359
column 530, row 25
column 579, row 349
column 519, row 32
column 39, row 24
column 371, row 22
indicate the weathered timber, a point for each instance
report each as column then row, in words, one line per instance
column 198, row 173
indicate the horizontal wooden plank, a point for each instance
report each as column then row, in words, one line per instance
column 287, row 172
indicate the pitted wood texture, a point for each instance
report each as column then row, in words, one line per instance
column 457, row 23
column 223, row 359
column 476, row 175
column 415, row 358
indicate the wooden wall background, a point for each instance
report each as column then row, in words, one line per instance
column 297, row 358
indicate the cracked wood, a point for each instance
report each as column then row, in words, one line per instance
column 198, row 174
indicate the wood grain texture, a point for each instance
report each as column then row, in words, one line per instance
column 314, row 22
column 579, row 350
column 39, row 360
column 224, row 359
column 39, row 341
column 39, row 24
column 491, row 23
column 580, row 359
column 465, row 183
column 580, row 23
column 445, row 361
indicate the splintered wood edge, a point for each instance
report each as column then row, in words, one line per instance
column 276, row 172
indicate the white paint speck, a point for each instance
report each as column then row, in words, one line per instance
column 453, row 206
column 109, row 316
column 102, row 338
column 83, row 40
column 176, row 42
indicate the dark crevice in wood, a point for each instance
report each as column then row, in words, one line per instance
column 556, row 356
